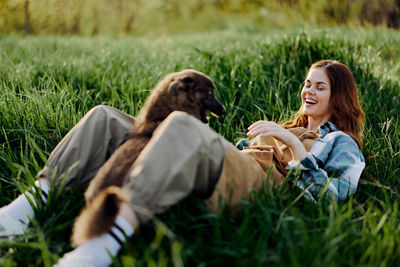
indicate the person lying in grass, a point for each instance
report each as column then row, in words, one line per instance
column 319, row 151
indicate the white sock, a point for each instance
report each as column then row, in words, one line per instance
column 98, row 250
column 20, row 209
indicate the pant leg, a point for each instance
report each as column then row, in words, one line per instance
column 243, row 171
column 79, row 155
column 249, row 168
column 183, row 156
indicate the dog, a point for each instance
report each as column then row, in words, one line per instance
column 190, row 91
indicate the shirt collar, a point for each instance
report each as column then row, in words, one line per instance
column 327, row 127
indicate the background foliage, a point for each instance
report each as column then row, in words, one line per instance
column 92, row 17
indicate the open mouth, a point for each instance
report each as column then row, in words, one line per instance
column 215, row 107
column 203, row 115
column 311, row 101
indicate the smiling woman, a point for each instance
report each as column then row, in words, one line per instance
column 330, row 109
column 330, row 89
column 315, row 97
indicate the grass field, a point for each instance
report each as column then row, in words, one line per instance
column 48, row 83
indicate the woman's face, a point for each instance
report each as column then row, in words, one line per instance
column 316, row 94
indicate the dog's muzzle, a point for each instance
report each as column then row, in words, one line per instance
column 215, row 107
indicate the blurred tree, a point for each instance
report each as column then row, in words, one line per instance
column 381, row 12
column 27, row 23
column 158, row 16
column 76, row 21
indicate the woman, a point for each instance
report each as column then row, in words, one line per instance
column 330, row 108
column 322, row 144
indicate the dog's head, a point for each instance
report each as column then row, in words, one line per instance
column 189, row 91
column 193, row 92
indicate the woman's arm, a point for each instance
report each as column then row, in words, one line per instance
column 269, row 128
column 334, row 162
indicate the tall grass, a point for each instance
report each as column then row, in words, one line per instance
column 48, row 83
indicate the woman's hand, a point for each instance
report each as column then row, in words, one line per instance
column 270, row 128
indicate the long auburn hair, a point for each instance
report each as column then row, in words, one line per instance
column 347, row 114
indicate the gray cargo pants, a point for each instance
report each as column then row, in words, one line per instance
column 183, row 156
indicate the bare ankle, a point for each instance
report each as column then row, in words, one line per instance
column 44, row 181
column 128, row 214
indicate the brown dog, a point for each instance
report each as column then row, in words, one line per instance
column 189, row 91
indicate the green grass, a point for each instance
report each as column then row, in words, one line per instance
column 48, row 83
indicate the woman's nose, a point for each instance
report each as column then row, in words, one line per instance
column 311, row 89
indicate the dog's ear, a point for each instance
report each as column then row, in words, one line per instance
column 180, row 84
column 187, row 81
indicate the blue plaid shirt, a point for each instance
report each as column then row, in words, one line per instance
column 334, row 164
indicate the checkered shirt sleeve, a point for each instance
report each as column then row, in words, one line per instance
column 334, row 165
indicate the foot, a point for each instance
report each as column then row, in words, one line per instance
column 99, row 250
column 9, row 226
column 14, row 218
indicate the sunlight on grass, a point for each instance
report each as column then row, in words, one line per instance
column 48, row 83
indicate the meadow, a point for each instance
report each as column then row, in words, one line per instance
column 47, row 84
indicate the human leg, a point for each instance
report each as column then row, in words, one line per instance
column 74, row 161
column 183, row 156
column 96, row 251
column 243, row 171
column 15, row 216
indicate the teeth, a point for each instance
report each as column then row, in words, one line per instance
column 311, row 101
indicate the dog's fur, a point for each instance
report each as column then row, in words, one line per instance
column 189, row 91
